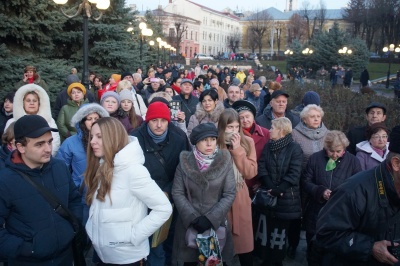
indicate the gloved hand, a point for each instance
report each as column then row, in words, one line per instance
column 275, row 192
column 202, row 224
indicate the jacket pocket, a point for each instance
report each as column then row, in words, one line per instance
column 115, row 227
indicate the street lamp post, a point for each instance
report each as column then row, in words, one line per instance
column 159, row 40
column 287, row 53
column 390, row 51
column 144, row 31
column 85, row 9
column 307, row 52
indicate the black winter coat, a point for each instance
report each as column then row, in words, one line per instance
column 187, row 106
column 355, row 136
column 355, row 218
column 275, row 168
column 170, row 149
column 265, row 120
column 316, row 180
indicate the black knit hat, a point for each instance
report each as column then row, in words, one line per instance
column 125, row 74
column 203, row 131
column 394, row 145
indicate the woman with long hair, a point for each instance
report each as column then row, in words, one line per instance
column 127, row 106
column 73, row 149
column 243, row 152
column 120, row 192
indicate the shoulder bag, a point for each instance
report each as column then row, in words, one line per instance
column 78, row 243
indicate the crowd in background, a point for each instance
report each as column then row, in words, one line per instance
column 196, row 144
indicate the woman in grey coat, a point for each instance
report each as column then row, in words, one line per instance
column 208, row 175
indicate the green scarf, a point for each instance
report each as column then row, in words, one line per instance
column 330, row 165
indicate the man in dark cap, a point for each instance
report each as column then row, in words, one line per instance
column 374, row 113
column 33, row 232
column 278, row 109
column 167, row 75
column 359, row 224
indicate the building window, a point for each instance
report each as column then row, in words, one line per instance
column 191, row 35
column 195, row 35
column 171, row 32
column 186, row 35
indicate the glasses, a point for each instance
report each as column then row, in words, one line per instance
column 380, row 137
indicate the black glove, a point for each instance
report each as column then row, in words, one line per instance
column 275, row 192
column 202, row 224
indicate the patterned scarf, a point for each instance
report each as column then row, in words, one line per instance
column 275, row 145
column 204, row 161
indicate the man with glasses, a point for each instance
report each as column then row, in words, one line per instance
column 360, row 223
column 374, row 113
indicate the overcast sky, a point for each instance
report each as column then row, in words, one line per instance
column 241, row 5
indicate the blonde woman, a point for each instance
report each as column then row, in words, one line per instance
column 120, row 192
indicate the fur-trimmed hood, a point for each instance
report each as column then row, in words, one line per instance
column 221, row 162
column 44, row 107
column 213, row 116
column 87, row 109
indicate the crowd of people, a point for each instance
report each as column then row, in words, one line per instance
column 143, row 159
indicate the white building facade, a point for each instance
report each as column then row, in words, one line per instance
column 213, row 32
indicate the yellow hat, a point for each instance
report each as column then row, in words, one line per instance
column 116, row 77
column 76, row 85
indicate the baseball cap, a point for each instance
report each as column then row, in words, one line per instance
column 278, row 93
column 186, row 81
column 31, row 126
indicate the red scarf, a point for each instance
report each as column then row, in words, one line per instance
column 31, row 80
column 247, row 131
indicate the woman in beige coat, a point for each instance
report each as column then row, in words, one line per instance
column 243, row 152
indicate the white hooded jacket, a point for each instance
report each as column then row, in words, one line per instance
column 120, row 226
column 44, row 110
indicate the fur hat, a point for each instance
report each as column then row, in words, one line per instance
column 158, row 110
column 87, row 109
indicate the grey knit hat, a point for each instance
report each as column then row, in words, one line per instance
column 110, row 94
column 126, row 94
column 86, row 110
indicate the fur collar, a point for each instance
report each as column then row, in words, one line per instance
column 44, row 107
column 189, row 166
column 213, row 116
column 87, row 109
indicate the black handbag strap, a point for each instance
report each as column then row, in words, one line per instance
column 58, row 207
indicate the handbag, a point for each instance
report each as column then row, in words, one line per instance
column 263, row 198
column 79, row 240
column 191, row 233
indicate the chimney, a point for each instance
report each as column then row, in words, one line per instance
column 170, row 1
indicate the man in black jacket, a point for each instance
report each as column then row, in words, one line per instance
column 374, row 113
column 277, row 109
column 188, row 101
column 161, row 142
column 31, row 232
column 360, row 222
